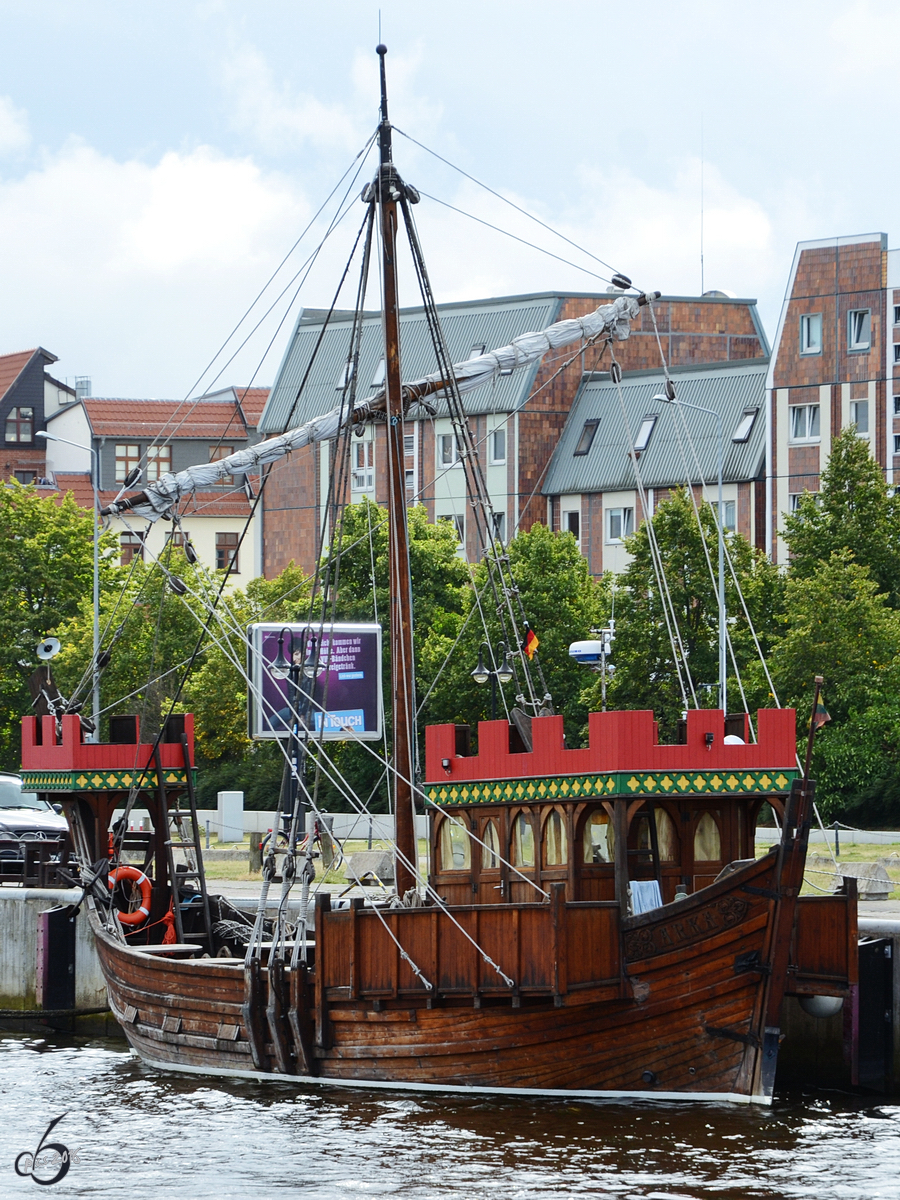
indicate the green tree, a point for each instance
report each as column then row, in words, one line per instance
column 646, row 674
column 854, row 510
column 46, row 574
column 561, row 602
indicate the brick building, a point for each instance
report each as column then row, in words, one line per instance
column 835, row 363
column 28, row 396
column 159, row 436
column 517, row 420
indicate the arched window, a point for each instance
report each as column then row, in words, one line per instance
column 707, row 840
column 456, row 848
column 665, row 835
column 490, row 851
column 598, row 838
column 556, row 849
column 523, row 841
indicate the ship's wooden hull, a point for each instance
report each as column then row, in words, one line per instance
column 674, row 1009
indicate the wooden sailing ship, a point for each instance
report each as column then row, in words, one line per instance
column 528, row 963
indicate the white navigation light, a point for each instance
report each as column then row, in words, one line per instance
column 49, row 648
column 587, row 652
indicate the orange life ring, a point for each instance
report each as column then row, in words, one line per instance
column 141, row 914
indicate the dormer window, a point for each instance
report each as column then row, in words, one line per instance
column 745, row 425
column 645, row 432
column 587, row 436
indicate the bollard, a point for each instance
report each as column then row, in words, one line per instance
column 255, row 856
column 837, row 839
column 207, row 834
column 370, row 833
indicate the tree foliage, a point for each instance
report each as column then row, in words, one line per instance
column 46, row 572
column 646, row 675
column 855, row 511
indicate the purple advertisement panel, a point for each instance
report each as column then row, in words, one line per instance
column 343, row 663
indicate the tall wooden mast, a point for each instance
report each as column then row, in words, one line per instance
column 389, row 189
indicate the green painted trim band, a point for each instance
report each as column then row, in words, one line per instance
column 615, row 783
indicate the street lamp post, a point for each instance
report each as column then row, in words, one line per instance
column 292, row 667
column 95, row 486
column 672, row 399
column 502, row 673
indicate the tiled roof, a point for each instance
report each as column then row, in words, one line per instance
column 147, row 419
column 201, row 504
column 253, row 401
column 11, row 367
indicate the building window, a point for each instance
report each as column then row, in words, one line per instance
column 478, row 348
column 571, row 523
column 20, row 425
column 897, row 352
column 227, row 552
column 216, row 454
column 25, row 477
column 897, row 314
column 132, row 547
column 897, row 443
column 859, row 328
column 859, row 416
column 128, row 457
column 500, row 527
column 745, row 425
column 344, row 377
column 728, row 515
column 380, row 371
column 498, row 447
column 587, row 437
column 811, row 334
column 897, row 406
column 448, row 450
column 642, row 441
column 409, row 444
column 159, row 462
column 804, row 422
column 619, row 524
column 362, row 476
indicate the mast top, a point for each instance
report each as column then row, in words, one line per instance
column 384, row 128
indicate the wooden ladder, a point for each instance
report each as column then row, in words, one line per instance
column 189, row 841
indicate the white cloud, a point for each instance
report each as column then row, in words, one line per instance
column 134, row 272
column 276, row 115
column 14, row 133
column 650, row 231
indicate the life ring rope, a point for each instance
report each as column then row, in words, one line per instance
column 143, row 912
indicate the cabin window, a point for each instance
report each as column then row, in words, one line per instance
column 665, row 835
column 556, row 850
column 456, row 848
column 598, row 838
column 490, row 854
column 707, row 840
column 523, row 842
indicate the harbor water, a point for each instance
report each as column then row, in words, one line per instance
column 134, row 1132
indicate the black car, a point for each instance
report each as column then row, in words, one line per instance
column 25, row 817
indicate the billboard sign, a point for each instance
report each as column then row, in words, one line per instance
column 343, row 662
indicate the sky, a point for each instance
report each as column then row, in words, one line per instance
column 158, row 161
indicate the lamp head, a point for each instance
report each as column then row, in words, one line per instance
column 481, row 674
column 281, row 667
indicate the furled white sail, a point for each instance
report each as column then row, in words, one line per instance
column 612, row 319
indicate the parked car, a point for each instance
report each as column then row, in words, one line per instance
column 25, row 817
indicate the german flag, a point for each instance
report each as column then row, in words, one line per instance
column 821, row 716
column 532, row 641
